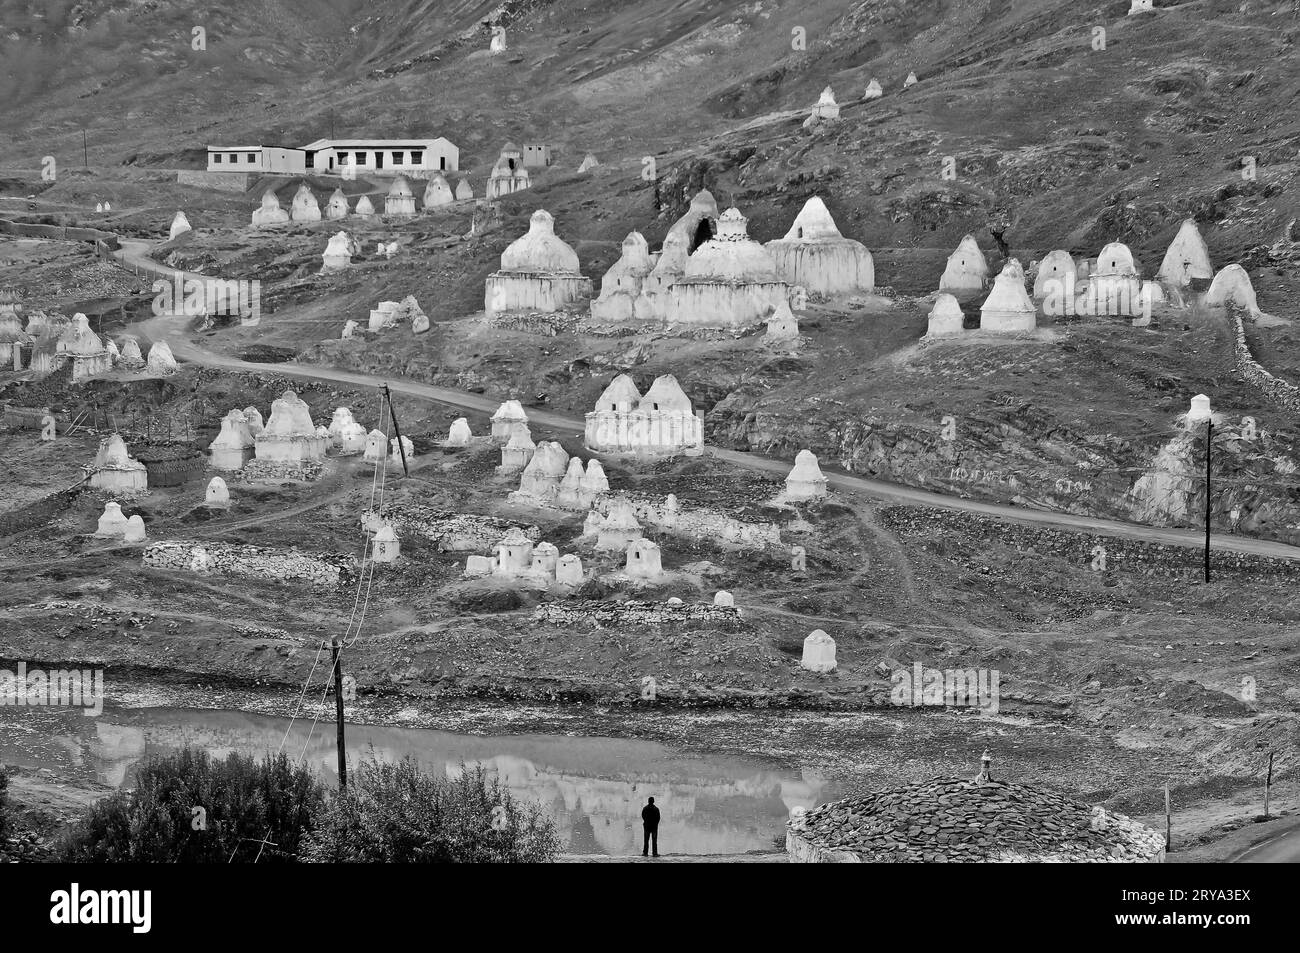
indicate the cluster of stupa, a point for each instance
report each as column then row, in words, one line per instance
column 550, row 476
column 617, row 530
column 539, row 272
column 288, row 436
column 515, row 557
column 710, row 272
column 660, row 423
column 57, row 341
column 400, row 201
column 1110, row 285
column 114, row 524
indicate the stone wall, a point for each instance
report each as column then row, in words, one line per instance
column 221, row 181
column 1279, row 392
column 451, row 532
column 64, row 233
column 695, row 523
column 1122, row 555
column 258, row 562
column 636, row 613
column 38, row 512
column 172, row 465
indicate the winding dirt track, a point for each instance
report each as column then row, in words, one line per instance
column 134, row 254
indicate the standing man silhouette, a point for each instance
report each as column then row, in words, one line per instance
column 650, row 821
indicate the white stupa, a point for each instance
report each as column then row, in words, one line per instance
column 338, row 253
column 438, row 193
column 825, row 110
column 459, row 434
column 910, row 81
column 1008, row 307
column 622, row 283
column 1231, row 286
column 217, row 495
column 1199, row 409
column 815, row 255
column 233, row 447
column 945, row 317
column 400, row 200
column 305, row 209
column 112, row 523
column 966, row 271
column 161, row 360
column 364, row 208
column 134, row 532
column 270, row 213
column 1056, row 274
column 1187, row 257
column 874, row 91
column 337, row 206
column 818, row 653
column 180, row 225
column 588, row 164
column 805, row 481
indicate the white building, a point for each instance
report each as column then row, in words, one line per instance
column 257, row 159
column 417, row 157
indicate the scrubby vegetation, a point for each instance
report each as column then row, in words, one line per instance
column 395, row 813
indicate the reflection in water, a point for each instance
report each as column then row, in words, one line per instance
column 593, row 788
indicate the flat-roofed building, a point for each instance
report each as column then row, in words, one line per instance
column 256, row 159
column 415, row 157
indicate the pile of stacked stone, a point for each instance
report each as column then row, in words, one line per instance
column 115, row 471
column 289, row 446
column 257, row 562
column 233, row 447
column 979, row 821
column 347, row 437
column 636, row 612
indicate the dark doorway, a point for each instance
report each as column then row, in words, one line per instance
column 703, row 232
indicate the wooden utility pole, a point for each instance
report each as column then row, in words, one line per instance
column 1209, row 447
column 336, row 655
column 85, row 151
column 397, row 431
column 1268, row 783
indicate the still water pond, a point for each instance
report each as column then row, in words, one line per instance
column 593, row 787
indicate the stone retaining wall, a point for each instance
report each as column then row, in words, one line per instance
column 315, row 569
column 221, row 181
column 38, row 512
column 63, row 233
column 452, row 532
column 1281, row 393
column 1122, row 555
column 636, row 613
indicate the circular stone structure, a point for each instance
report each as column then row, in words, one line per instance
column 945, row 820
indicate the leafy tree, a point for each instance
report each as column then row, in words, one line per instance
column 189, row 808
column 395, row 813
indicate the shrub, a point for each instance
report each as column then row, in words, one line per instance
column 245, row 801
column 395, row 813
